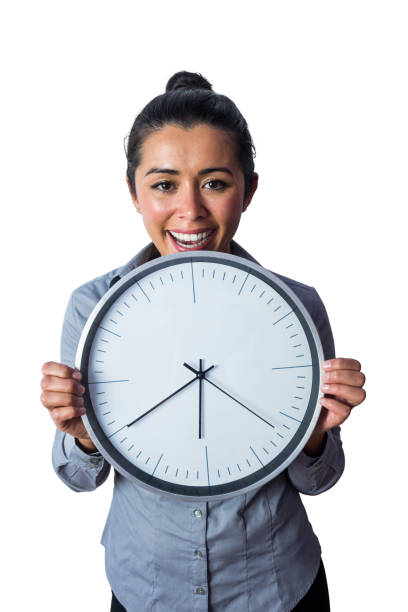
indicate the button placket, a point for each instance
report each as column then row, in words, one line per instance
column 198, row 556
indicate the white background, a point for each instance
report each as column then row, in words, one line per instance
column 323, row 87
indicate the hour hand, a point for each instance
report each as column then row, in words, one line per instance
column 199, row 374
column 162, row 402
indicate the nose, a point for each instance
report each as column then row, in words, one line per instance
column 190, row 203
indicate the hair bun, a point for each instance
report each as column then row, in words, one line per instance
column 187, row 80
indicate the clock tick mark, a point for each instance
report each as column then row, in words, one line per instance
column 229, row 471
column 265, row 450
column 192, row 280
column 290, row 367
column 242, row 286
column 147, row 460
column 123, row 439
column 253, row 288
column 152, row 286
column 103, row 340
column 213, row 274
column 275, row 309
column 141, row 289
column 171, row 276
column 302, row 376
column 134, row 297
column 121, row 313
column 299, row 355
column 289, row 417
column 100, row 393
column 105, row 413
column 208, row 471
column 293, row 335
column 161, row 280
column 296, row 345
column 102, row 403
column 111, row 332
column 269, row 301
column 280, row 435
column 239, row 467
column 112, row 422
column 272, row 442
column 261, row 294
column 257, row 455
column 186, row 474
column 181, row 273
column 235, row 276
column 160, row 458
column 284, row 317
column 165, row 471
column 102, row 382
column 300, row 388
column 113, row 321
column 130, row 447
column 291, row 325
column 218, row 472
column 126, row 304
column 248, row 463
column 297, row 397
column 176, row 472
column 223, row 276
column 138, row 455
column 99, row 361
column 295, row 407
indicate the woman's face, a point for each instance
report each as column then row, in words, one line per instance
column 190, row 189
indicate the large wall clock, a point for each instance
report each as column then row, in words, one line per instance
column 202, row 375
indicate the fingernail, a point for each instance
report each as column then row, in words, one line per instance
column 82, row 388
column 325, row 387
column 77, row 374
column 326, row 365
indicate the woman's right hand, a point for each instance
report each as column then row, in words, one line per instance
column 62, row 396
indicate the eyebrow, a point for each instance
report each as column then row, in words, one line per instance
column 203, row 171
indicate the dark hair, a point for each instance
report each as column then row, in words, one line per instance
column 188, row 101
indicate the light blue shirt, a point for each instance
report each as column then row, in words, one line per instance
column 255, row 552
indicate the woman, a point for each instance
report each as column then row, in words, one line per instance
column 191, row 175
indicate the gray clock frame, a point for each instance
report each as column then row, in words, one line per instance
column 216, row 491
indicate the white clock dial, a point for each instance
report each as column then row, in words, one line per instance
column 202, row 375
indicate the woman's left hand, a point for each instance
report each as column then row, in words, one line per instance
column 342, row 383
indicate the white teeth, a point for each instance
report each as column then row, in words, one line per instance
column 194, row 240
column 190, row 237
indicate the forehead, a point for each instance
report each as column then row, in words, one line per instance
column 198, row 146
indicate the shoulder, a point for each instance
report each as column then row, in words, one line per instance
column 86, row 296
column 307, row 294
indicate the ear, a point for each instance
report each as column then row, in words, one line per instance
column 249, row 197
column 132, row 195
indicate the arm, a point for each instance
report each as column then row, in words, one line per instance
column 76, row 461
column 321, row 463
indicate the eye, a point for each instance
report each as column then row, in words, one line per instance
column 215, row 182
column 162, row 186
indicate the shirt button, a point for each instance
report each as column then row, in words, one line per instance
column 95, row 461
column 197, row 513
column 198, row 553
column 200, row 591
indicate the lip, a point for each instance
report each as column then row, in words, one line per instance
column 197, row 248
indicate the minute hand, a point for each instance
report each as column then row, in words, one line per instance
column 162, row 402
column 238, row 402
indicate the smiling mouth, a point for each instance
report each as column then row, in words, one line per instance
column 191, row 241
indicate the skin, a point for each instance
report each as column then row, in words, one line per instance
column 186, row 201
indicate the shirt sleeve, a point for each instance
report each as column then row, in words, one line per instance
column 313, row 475
column 78, row 470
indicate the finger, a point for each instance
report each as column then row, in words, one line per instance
column 53, row 399
column 340, row 363
column 341, row 410
column 345, row 377
column 352, row 395
column 61, row 416
column 53, row 368
column 65, row 385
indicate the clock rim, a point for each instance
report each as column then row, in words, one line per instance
column 190, row 492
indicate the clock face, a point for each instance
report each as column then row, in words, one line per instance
column 202, row 375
